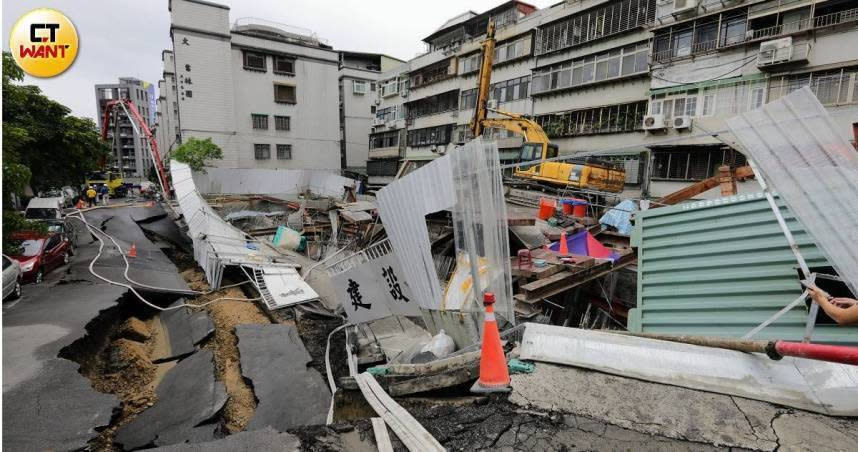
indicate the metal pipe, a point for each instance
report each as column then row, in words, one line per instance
column 775, row 350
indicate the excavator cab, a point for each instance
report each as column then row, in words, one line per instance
column 531, row 151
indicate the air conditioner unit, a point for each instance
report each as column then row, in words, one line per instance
column 653, row 122
column 377, row 101
column 492, row 104
column 775, row 51
column 404, row 93
column 682, row 122
column 681, row 6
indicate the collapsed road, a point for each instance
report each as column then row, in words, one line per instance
column 234, row 375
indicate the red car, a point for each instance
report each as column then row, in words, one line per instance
column 39, row 253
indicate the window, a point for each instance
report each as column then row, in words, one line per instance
column 611, row 18
column 655, row 107
column 430, row 135
column 52, row 242
column 281, row 123
column 358, row 86
column 389, row 87
column 470, row 63
column 384, row 140
column 284, row 152
column 509, row 51
column 431, row 74
column 693, row 164
column 284, row 65
column 388, row 114
column 708, row 104
column 733, row 30
column 254, row 61
column 432, row 105
column 757, row 98
column 284, row 94
column 372, row 86
column 607, row 119
column 620, row 62
column 260, row 122
column 262, row 151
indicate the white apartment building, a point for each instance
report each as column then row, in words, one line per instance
column 130, row 150
column 359, row 73
column 579, row 68
column 265, row 93
column 167, row 132
column 713, row 59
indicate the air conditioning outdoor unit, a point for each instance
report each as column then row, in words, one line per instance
column 681, row 6
column 404, row 93
column 377, row 101
column 682, row 122
column 492, row 104
column 775, row 51
column 653, row 122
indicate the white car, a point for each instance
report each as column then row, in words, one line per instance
column 11, row 278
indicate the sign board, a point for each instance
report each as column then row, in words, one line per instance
column 373, row 288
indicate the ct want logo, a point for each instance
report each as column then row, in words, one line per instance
column 44, row 42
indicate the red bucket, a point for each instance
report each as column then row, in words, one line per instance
column 575, row 206
column 547, row 207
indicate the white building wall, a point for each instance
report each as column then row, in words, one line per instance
column 358, row 116
column 216, row 95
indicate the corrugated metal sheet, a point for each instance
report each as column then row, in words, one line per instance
column 720, row 268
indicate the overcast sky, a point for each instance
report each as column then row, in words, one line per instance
column 121, row 38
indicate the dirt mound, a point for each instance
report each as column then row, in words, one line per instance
column 226, row 315
column 134, row 329
column 196, row 279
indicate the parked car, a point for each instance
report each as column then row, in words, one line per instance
column 40, row 253
column 44, row 209
column 65, row 230
column 11, row 279
column 65, row 200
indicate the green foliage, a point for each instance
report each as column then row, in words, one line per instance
column 38, row 133
column 13, row 222
column 195, row 152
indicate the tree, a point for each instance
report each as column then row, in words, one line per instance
column 43, row 145
column 39, row 133
column 195, row 152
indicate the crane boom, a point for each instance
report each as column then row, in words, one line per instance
column 137, row 119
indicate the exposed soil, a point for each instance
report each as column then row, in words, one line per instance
column 116, row 356
column 225, row 315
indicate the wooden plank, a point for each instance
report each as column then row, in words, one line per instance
column 409, row 431
column 564, row 281
column 382, row 440
column 445, row 379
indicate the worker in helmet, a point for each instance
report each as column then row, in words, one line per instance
column 842, row 310
column 90, row 196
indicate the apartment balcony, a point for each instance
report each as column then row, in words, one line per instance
column 779, row 57
column 758, row 35
column 383, row 153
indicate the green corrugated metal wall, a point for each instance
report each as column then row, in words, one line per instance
column 720, row 268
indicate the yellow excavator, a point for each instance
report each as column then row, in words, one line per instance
column 589, row 174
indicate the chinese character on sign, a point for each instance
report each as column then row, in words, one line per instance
column 185, row 41
column 357, row 298
column 393, row 284
column 188, row 67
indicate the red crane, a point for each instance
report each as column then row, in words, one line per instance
column 143, row 129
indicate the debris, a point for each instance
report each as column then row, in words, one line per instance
column 810, row 385
column 518, row 366
column 185, row 328
column 407, row 429
column 382, row 440
column 188, row 397
column 620, row 216
column 270, row 355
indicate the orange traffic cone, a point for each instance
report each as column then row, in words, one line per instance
column 564, row 247
column 132, row 252
column 80, row 204
column 494, row 374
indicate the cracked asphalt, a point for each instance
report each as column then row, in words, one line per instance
column 690, row 416
column 47, row 404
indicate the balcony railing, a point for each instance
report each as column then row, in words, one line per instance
column 827, row 20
